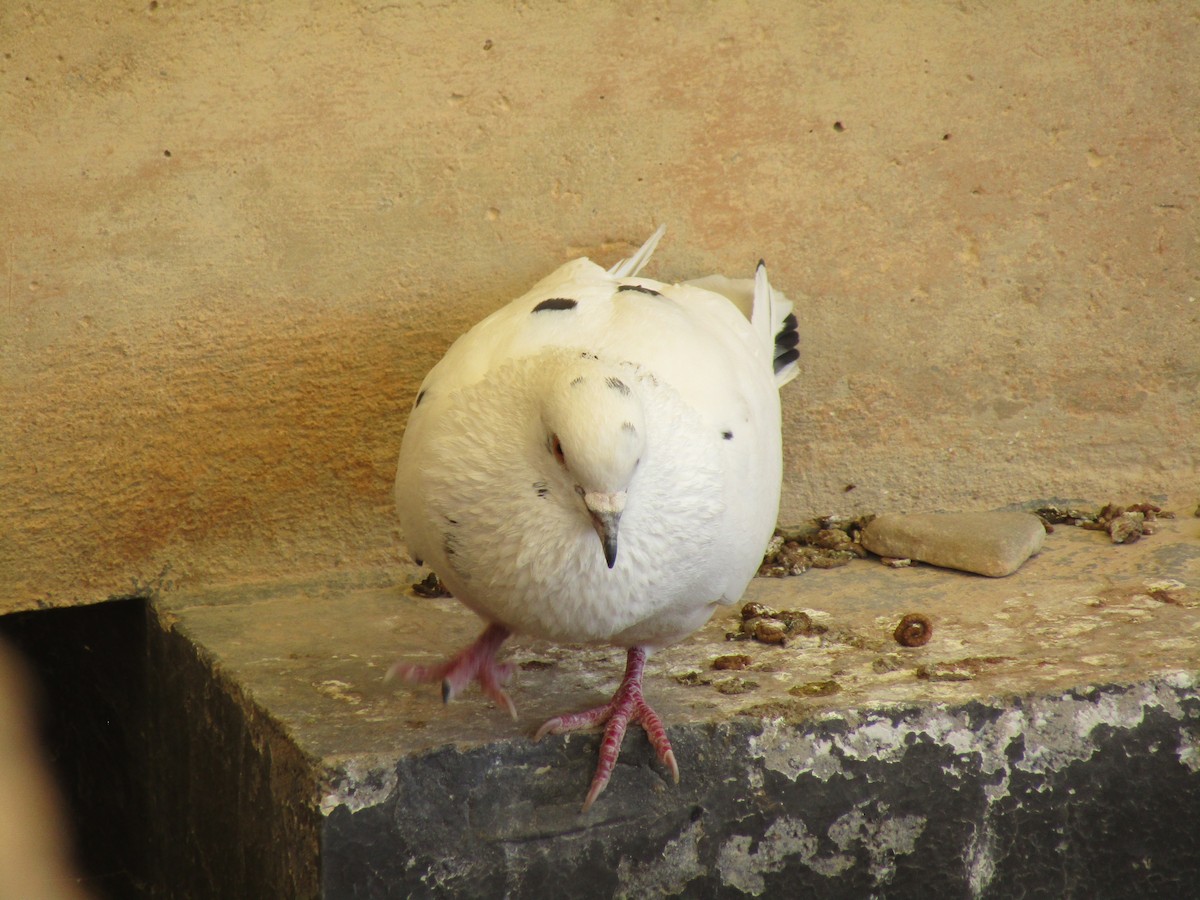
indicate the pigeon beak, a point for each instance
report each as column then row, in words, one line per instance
column 606, row 527
column 606, row 510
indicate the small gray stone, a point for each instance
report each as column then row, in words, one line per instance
column 989, row 543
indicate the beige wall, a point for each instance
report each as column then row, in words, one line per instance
column 234, row 236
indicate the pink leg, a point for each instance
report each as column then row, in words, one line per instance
column 475, row 662
column 627, row 706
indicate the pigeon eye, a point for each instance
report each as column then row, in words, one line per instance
column 557, row 450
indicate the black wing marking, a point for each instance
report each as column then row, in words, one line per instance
column 556, row 303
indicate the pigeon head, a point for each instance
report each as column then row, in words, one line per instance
column 595, row 437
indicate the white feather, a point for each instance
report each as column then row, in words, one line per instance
column 627, row 268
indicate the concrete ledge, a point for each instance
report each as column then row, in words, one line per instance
column 1046, row 739
column 230, row 798
column 1075, row 795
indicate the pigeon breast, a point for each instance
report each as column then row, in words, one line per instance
column 483, row 501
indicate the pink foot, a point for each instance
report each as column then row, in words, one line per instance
column 627, row 706
column 475, row 662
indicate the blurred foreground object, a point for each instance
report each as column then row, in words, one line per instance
column 34, row 860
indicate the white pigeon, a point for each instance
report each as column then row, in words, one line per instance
column 599, row 461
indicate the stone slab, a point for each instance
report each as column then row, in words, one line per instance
column 1048, row 710
column 986, row 543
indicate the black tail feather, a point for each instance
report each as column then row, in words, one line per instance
column 787, row 340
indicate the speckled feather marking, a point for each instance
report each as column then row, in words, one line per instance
column 617, row 385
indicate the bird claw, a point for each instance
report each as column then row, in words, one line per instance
column 475, row 662
column 627, row 706
column 668, row 760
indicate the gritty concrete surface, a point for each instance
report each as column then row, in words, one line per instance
column 230, row 796
column 234, row 237
column 1047, row 738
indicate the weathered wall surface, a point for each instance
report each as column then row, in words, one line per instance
column 234, row 237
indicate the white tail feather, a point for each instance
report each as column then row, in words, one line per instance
column 627, row 268
column 776, row 326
